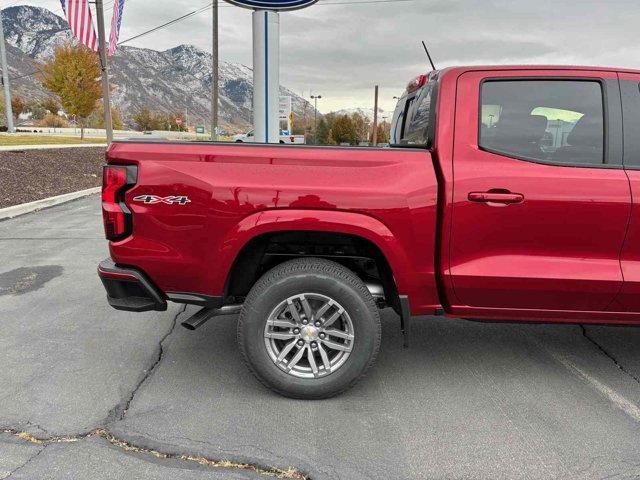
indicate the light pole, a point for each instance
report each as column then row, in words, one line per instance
column 315, row 117
column 105, row 73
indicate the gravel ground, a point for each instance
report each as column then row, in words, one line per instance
column 30, row 175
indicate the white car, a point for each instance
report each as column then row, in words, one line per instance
column 284, row 138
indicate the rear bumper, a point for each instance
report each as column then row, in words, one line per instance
column 128, row 289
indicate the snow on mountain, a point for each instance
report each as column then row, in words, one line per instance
column 174, row 80
column 367, row 112
column 35, row 31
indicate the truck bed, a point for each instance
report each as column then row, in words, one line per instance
column 239, row 191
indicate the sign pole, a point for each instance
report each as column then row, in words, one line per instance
column 266, row 76
column 102, row 45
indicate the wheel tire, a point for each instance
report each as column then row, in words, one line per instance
column 312, row 276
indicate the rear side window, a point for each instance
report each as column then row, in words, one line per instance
column 420, row 117
column 553, row 121
column 398, row 123
column 630, row 91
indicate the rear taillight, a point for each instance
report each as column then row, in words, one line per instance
column 116, row 179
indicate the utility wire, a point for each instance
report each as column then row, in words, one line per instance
column 18, row 77
column 164, row 25
column 206, row 7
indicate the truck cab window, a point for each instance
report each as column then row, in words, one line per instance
column 553, row 121
column 420, row 119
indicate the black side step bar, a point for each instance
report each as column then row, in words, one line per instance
column 405, row 319
column 205, row 314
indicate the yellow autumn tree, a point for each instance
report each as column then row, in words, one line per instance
column 73, row 74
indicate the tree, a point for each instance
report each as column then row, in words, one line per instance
column 170, row 120
column 324, row 133
column 384, row 132
column 37, row 111
column 73, row 74
column 116, row 118
column 51, row 105
column 17, row 105
column 144, row 120
column 96, row 119
column 363, row 126
column 343, row 130
column 147, row 120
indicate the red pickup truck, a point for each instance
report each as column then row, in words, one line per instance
column 510, row 193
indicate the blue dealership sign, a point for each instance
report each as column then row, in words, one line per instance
column 273, row 4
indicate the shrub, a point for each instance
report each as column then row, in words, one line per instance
column 54, row 121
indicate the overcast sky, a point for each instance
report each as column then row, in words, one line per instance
column 340, row 49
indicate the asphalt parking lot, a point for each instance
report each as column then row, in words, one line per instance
column 89, row 392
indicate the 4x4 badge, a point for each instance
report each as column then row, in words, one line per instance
column 151, row 199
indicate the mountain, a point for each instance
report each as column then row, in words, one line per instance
column 366, row 112
column 178, row 79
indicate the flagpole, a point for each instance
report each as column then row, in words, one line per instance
column 214, row 74
column 102, row 45
column 5, row 80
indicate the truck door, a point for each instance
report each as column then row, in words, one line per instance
column 541, row 201
column 629, row 298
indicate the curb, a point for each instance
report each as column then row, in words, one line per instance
column 16, row 210
column 21, row 148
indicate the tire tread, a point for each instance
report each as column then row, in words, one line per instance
column 310, row 265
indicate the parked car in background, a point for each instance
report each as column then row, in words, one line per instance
column 511, row 194
column 284, row 138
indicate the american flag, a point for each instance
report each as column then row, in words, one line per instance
column 81, row 22
column 116, row 20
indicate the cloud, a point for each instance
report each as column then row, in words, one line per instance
column 342, row 51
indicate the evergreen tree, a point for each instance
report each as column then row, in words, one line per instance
column 323, row 133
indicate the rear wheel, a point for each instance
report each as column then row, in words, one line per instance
column 309, row 328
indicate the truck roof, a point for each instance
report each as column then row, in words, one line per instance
column 460, row 69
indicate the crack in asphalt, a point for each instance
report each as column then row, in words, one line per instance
column 129, row 447
column 120, row 410
column 608, row 355
column 29, row 460
column 118, row 413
